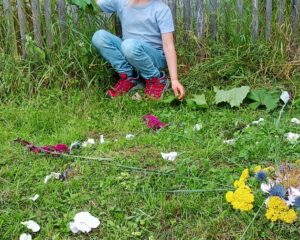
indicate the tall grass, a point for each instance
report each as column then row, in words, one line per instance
column 232, row 59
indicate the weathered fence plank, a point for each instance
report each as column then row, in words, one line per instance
column 22, row 25
column 48, row 23
column 239, row 4
column 36, row 21
column 173, row 5
column 255, row 20
column 295, row 17
column 10, row 28
column 268, row 18
column 213, row 18
column 205, row 12
column 61, row 8
column 187, row 14
column 74, row 13
column 200, row 19
column 280, row 12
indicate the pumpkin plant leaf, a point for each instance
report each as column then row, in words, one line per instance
column 264, row 97
column 169, row 99
column 233, row 96
column 200, row 100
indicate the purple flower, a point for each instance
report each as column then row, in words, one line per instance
column 297, row 202
column 261, row 176
column 277, row 190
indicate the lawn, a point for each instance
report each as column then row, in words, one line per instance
column 129, row 193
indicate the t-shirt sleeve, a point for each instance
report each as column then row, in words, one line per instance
column 109, row 6
column 165, row 20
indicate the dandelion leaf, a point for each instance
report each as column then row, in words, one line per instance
column 233, row 96
column 264, row 97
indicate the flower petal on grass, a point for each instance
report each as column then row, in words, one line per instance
column 169, row 156
column 101, row 140
column 129, row 136
column 198, row 127
column 32, row 225
column 292, row 137
column 295, row 120
column 75, row 145
column 25, row 236
column 88, row 142
column 258, row 121
column 229, row 141
column 55, row 175
column 84, row 222
column 35, row 197
column 153, row 122
column 285, row 97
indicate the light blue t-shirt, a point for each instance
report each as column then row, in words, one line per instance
column 145, row 22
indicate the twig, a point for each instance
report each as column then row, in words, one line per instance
column 155, row 172
column 192, row 191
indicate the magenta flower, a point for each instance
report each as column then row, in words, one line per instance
column 153, row 122
column 55, row 150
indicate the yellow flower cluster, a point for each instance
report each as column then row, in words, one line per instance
column 242, row 198
column 278, row 210
column 258, row 168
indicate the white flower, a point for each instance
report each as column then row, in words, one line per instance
column 258, row 121
column 295, row 120
column 90, row 141
column 229, row 141
column 285, row 97
column 32, row 225
column 169, row 156
column 266, row 187
column 101, row 140
column 198, row 127
column 55, row 175
column 35, row 197
column 25, row 236
column 129, row 136
column 84, row 222
column 293, row 193
column 292, row 137
column 75, row 145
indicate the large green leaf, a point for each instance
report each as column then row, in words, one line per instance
column 233, row 96
column 200, row 100
column 197, row 101
column 264, row 97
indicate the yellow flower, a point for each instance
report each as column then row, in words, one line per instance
column 257, row 169
column 268, row 169
column 245, row 175
column 241, row 198
column 289, row 217
column 229, row 196
column 278, row 210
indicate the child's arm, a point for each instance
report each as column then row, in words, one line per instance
column 170, row 52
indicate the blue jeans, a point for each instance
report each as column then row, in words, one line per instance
column 129, row 55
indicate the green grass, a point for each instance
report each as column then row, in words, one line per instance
column 60, row 99
column 129, row 203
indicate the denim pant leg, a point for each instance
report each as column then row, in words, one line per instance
column 109, row 46
column 146, row 59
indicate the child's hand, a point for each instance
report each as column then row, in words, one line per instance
column 178, row 89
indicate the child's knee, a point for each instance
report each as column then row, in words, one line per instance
column 100, row 38
column 131, row 48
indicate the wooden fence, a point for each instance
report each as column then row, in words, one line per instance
column 38, row 18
